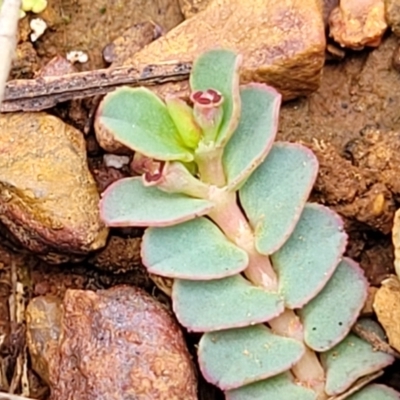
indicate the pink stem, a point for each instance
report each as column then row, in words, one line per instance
column 308, row 370
column 230, row 218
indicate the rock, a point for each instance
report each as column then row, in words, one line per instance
column 392, row 8
column 119, row 256
column 396, row 241
column 328, row 7
column 112, row 344
column 48, row 198
column 387, row 308
column 356, row 23
column 282, row 43
column 134, row 39
column 89, row 25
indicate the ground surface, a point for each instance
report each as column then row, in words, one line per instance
column 351, row 122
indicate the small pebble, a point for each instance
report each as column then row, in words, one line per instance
column 38, row 27
column 77, row 56
column 115, row 161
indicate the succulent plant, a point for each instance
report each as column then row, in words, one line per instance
column 257, row 268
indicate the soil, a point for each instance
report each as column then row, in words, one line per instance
column 352, row 123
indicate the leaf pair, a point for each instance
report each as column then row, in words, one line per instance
column 139, row 119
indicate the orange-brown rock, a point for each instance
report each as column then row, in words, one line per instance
column 48, row 198
column 282, row 41
column 387, row 308
column 358, row 23
column 112, row 344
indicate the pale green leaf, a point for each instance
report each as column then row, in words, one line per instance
column 328, row 318
column 308, row 259
column 138, row 119
column 254, row 136
column 281, row 387
column 350, row 360
column 195, row 250
column 273, row 197
column 219, row 70
column 236, row 357
column 128, row 202
column 204, row 306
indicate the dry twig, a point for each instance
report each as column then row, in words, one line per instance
column 9, row 16
column 45, row 92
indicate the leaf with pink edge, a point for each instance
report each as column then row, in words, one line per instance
column 195, row 250
column 328, row 318
column 308, row 259
column 279, row 387
column 350, row 360
column 138, row 119
column 219, row 70
column 236, row 357
column 255, row 133
column 128, row 202
column 376, row 392
column 204, row 306
column 273, row 197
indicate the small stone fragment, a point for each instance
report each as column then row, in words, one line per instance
column 368, row 306
column 282, row 44
column 115, row 161
column 48, row 198
column 387, row 308
column 356, row 24
column 112, row 344
column 38, row 27
column 77, row 56
column 57, row 66
column 393, row 15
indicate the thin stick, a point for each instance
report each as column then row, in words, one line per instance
column 45, row 92
column 9, row 16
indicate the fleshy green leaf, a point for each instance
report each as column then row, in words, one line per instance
column 328, row 318
column 182, row 115
column 219, row 70
column 273, row 197
column 281, row 387
column 376, row 392
column 195, row 250
column 254, row 136
column 205, row 306
column 350, row 360
column 138, row 119
column 308, row 259
column 128, row 203
column 236, row 357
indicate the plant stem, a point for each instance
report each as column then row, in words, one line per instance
column 308, row 370
column 209, row 162
column 230, row 218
